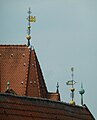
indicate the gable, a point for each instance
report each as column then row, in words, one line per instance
column 36, row 84
column 14, row 67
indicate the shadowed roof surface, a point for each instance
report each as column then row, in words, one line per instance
column 24, row 107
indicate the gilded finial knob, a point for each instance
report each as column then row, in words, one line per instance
column 28, row 37
column 72, row 102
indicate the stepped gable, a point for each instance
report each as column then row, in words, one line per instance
column 20, row 66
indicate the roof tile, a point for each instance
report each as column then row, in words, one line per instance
column 20, row 66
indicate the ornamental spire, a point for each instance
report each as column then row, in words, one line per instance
column 30, row 19
column 57, row 91
column 81, row 92
column 72, row 82
column 8, row 85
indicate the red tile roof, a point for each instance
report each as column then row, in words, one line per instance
column 20, row 66
column 36, row 84
column 14, row 67
column 26, row 108
column 53, row 96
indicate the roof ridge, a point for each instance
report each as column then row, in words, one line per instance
column 36, row 71
column 6, row 45
column 40, row 78
column 42, row 99
column 89, row 111
column 27, row 71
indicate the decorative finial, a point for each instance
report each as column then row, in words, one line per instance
column 8, row 85
column 72, row 82
column 72, row 70
column 81, row 92
column 30, row 19
column 57, row 88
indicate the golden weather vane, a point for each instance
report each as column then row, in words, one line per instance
column 30, row 19
column 72, row 82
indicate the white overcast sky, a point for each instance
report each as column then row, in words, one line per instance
column 64, row 35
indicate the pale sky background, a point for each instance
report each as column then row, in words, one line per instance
column 64, row 35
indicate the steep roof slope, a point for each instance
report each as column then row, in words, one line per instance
column 20, row 66
column 36, row 84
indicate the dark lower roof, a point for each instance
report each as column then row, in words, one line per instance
column 23, row 107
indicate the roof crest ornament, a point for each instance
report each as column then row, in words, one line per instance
column 72, row 82
column 81, row 92
column 8, row 85
column 57, row 91
column 30, row 19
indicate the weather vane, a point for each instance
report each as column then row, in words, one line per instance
column 72, row 82
column 30, row 19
